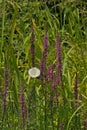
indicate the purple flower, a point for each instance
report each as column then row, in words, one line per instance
column 32, row 38
column 50, row 74
column 58, row 76
column 42, row 68
column 85, row 124
column 61, row 126
column 23, row 106
column 4, row 96
column 45, row 46
column 43, row 62
column 76, row 87
column 54, row 85
column 6, row 82
column 58, row 60
column 6, row 77
column 6, row 72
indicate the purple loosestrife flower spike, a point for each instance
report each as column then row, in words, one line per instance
column 54, row 85
column 6, row 72
column 85, row 124
column 43, row 62
column 55, row 81
column 6, row 77
column 58, row 60
column 50, row 74
column 23, row 106
column 42, row 68
column 61, row 126
column 76, row 87
column 5, row 90
column 32, row 47
column 4, row 94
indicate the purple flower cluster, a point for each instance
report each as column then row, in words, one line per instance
column 76, row 87
column 23, row 106
column 58, row 60
column 43, row 62
column 55, row 82
column 6, row 78
column 42, row 69
column 5, row 90
column 61, row 126
column 58, row 75
column 50, row 73
column 85, row 124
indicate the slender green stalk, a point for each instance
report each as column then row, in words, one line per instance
column 34, row 105
column 45, row 105
column 52, row 112
column 34, row 100
column 45, row 118
column 3, row 22
column 12, row 29
column 74, row 115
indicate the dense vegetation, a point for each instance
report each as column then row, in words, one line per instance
column 50, row 35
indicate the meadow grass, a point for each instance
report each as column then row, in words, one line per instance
column 51, row 36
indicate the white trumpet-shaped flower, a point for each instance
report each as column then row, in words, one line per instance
column 34, row 72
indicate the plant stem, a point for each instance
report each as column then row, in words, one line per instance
column 3, row 22
column 45, row 119
column 52, row 112
column 34, row 104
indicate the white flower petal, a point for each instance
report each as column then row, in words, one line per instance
column 34, row 72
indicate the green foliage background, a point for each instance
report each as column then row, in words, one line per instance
column 68, row 18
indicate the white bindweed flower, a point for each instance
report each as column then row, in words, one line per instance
column 34, row 72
